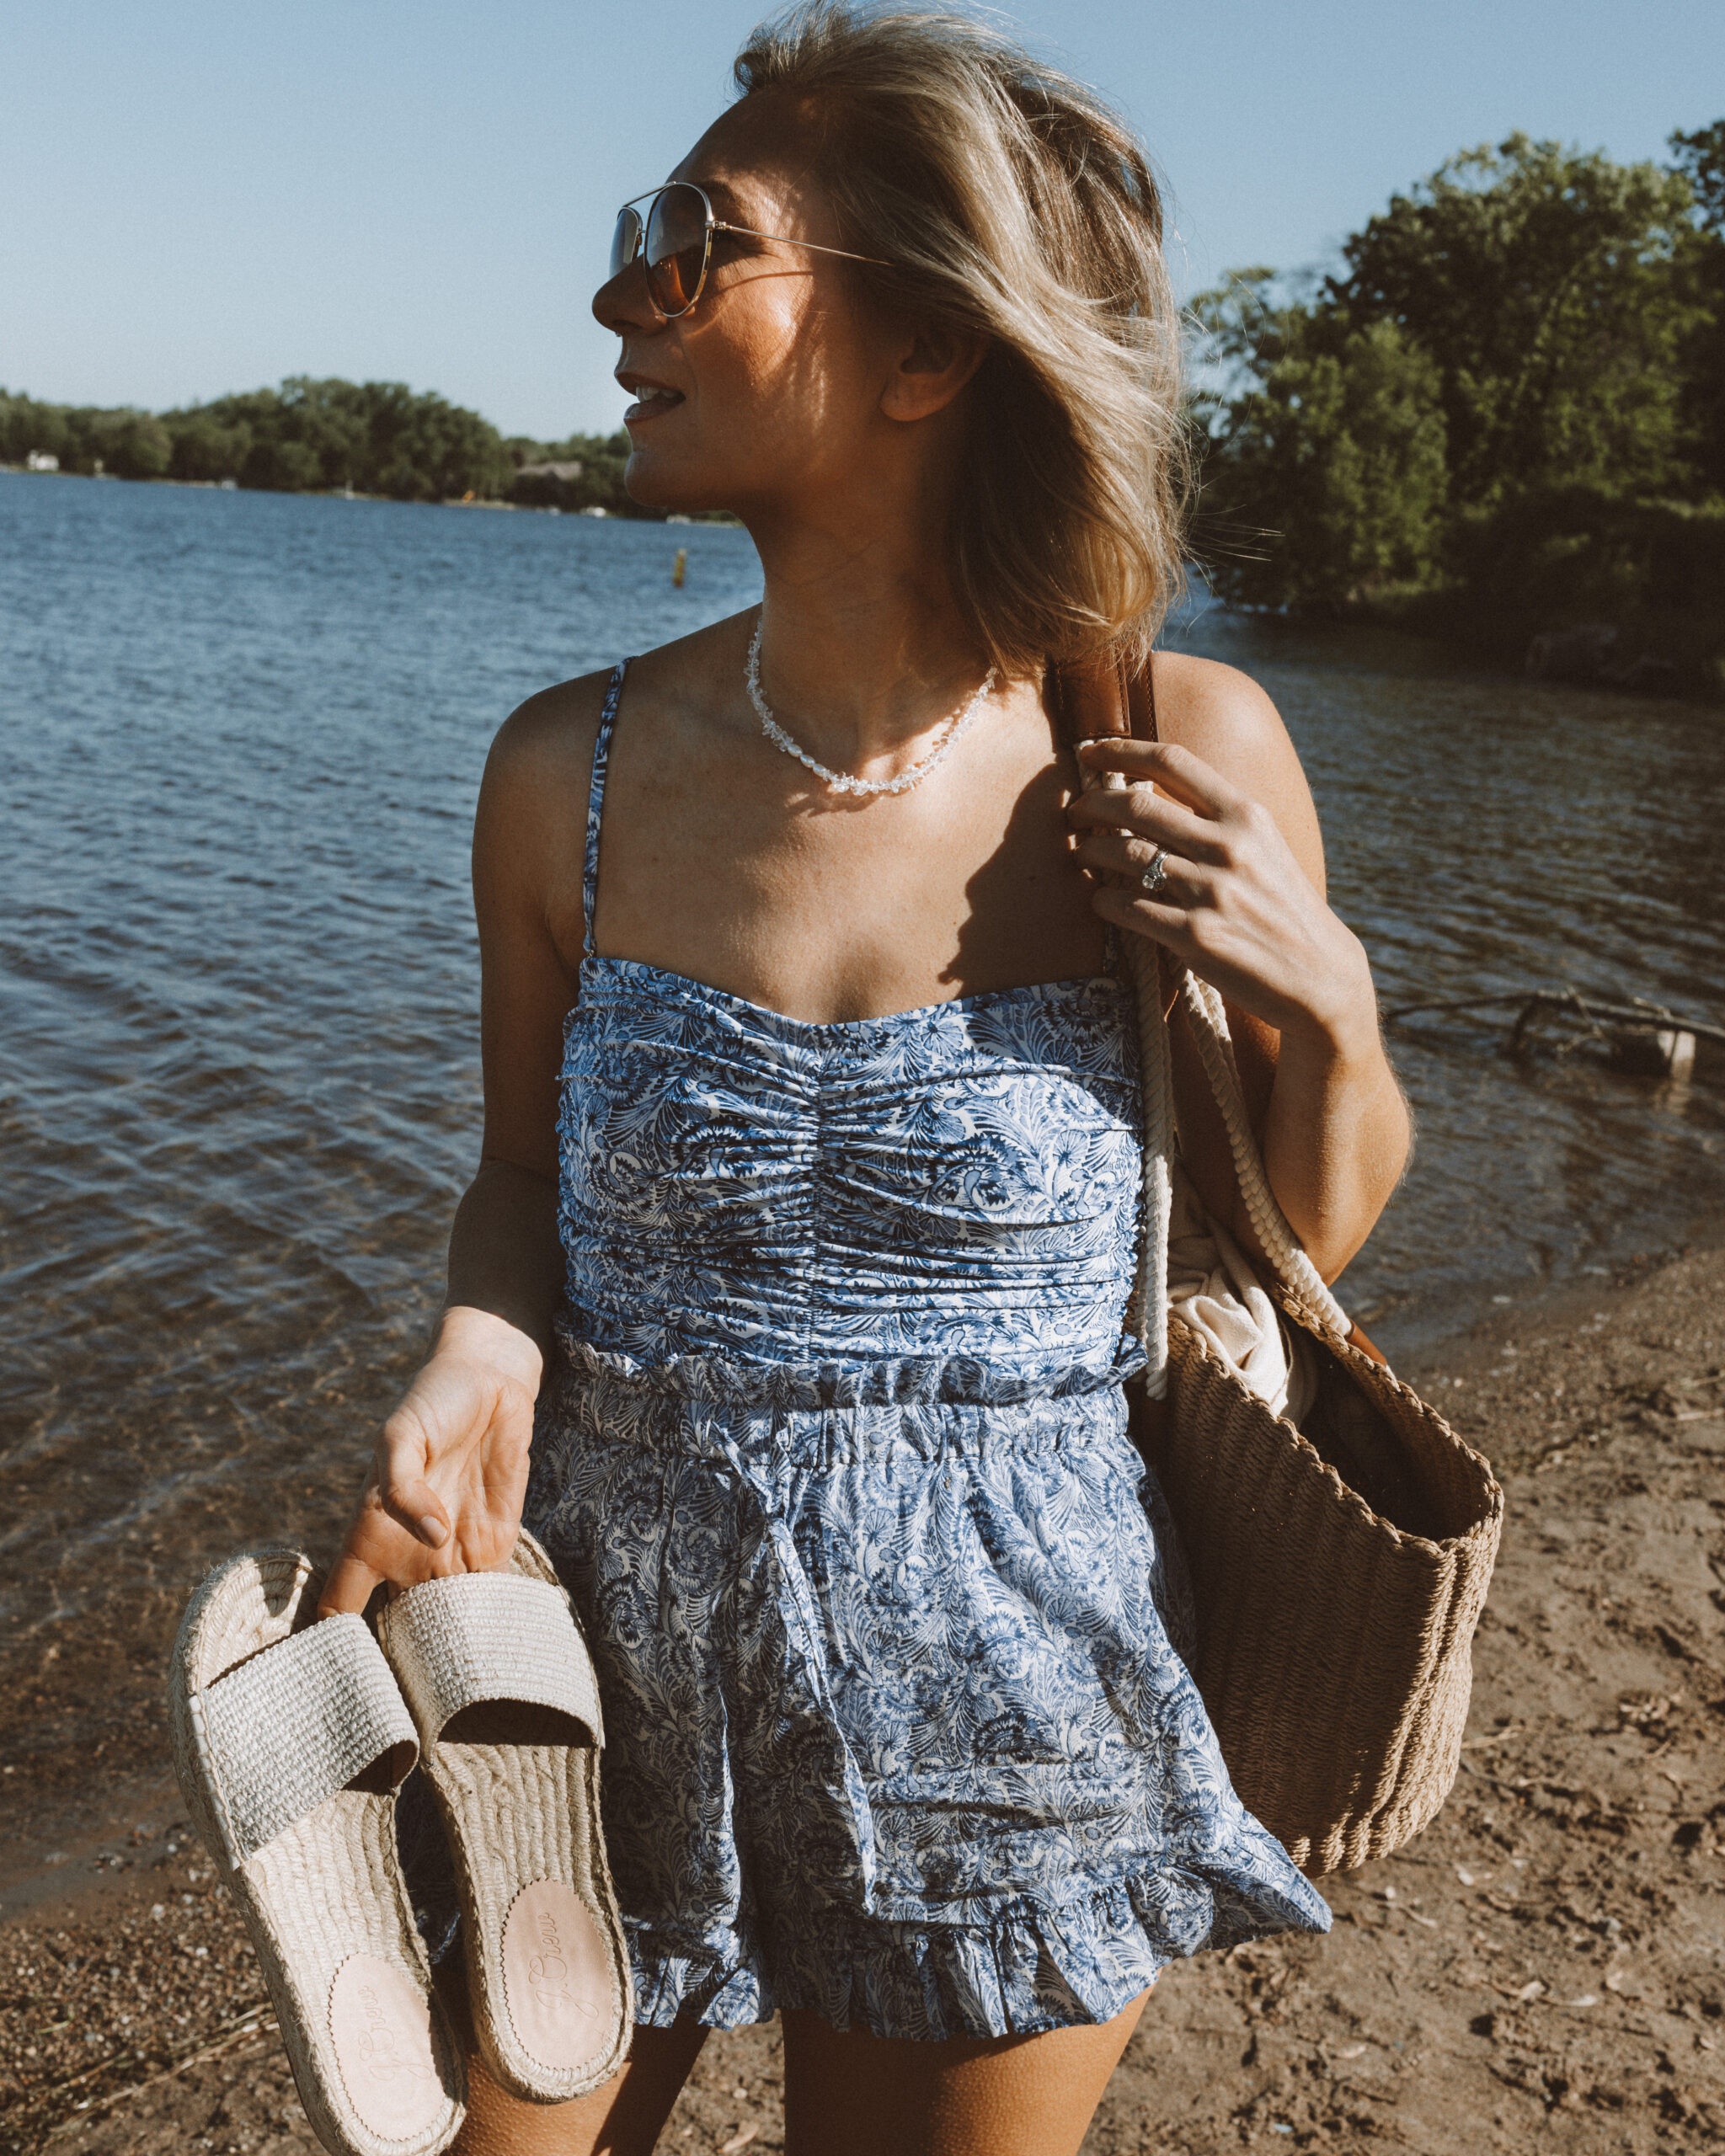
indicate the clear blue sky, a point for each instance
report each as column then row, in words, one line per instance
column 199, row 195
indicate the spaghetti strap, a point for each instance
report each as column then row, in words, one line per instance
column 595, row 805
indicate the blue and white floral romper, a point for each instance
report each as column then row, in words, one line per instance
column 834, row 1462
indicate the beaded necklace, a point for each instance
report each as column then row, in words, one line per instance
column 841, row 782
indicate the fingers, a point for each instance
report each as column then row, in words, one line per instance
column 349, row 1587
column 375, row 1550
column 415, row 1505
column 1154, row 917
column 1176, row 771
column 403, row 1490
column 1114, row 855
column 1151, row 815
column 446, row 1487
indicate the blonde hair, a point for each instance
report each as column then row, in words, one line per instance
column 1010, row 201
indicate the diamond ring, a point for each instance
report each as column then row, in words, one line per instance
column 1157, row 874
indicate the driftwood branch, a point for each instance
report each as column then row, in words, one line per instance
column 1638, row 1016
column 1458, row 1003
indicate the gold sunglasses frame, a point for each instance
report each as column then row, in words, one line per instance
column 714, row 224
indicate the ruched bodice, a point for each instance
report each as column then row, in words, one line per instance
column 959, row 1181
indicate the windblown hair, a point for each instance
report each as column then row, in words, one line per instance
column 1010, row 201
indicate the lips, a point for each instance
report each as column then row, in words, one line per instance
column 652, row 399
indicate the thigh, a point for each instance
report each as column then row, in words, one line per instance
column 849, row 2093
column 622, row 2118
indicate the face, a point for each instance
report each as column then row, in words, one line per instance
column 773, row 383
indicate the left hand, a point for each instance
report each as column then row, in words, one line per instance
column 1235, row 905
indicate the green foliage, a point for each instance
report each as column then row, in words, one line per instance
column 1336, row 483
column 205, row 449
column 1569, row 553
column 1512, row 392
column 1700, row 157
column 375, row 437
column 599, row 484
column 1541, row 281
column 310, row 436
column 131, row 444
column 127, row 443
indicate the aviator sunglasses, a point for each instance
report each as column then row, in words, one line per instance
column 674, row 240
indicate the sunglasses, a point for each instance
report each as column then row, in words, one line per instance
column 673, row 239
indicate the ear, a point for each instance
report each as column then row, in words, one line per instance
column 931, row 367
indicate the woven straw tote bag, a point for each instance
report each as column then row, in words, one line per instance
column 1338, row 1572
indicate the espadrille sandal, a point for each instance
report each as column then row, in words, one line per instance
column 290, row 1740
column 497, row 1674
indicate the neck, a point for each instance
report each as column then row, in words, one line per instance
column 864, row 651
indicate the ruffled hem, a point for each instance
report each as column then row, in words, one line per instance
column 1033, row 1968
column 888, row 1381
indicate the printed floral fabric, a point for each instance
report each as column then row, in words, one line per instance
column 885, row 1612
column 957, row 1180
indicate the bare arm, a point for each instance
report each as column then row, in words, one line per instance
column 1243, row 906
column 450, row 1470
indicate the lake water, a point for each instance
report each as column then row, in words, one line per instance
column 239, row 1084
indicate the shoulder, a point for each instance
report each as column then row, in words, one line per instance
column 679, row 691
column 1225, row 717
column 542, row 738
column 1216, row 710
column 541, row 756
column 529, row 830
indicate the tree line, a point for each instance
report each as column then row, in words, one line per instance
column 1506, row 407
column 312, row 436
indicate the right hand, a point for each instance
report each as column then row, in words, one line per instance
column 449, row 1473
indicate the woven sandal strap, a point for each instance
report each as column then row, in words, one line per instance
column 291, row 1725
column 489, row 1636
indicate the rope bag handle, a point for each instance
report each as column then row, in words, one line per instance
column 1093, row 700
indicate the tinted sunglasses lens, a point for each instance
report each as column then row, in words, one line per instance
column 676, row 247
column 625, row 241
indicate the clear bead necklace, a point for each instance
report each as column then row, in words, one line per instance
column 841, row 782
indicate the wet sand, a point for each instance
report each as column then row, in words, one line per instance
column 1546, row 1964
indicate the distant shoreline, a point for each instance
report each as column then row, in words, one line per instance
column 723, row 517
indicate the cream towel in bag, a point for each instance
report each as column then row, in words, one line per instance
column 1213, row 1290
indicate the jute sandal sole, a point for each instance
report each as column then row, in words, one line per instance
column 503, row 1695
column 290, row 1740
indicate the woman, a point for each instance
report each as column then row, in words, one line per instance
column 808, row 1209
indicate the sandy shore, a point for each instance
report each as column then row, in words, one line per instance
column 1545, row 1965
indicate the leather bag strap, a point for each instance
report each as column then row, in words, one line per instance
column 1100, row 699
column 1094, row 699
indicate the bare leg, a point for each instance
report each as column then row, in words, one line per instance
column 855, row 2095
column 623, row 2117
